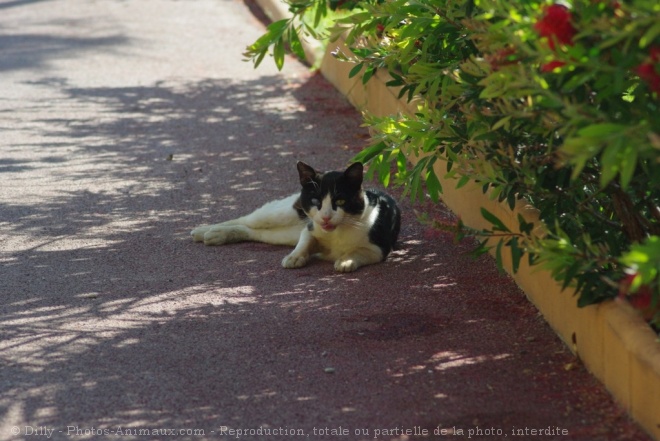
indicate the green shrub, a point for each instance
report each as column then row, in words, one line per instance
column 555, row 105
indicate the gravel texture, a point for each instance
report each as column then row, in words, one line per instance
column 125, row 124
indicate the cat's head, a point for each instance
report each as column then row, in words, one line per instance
column 331, row 198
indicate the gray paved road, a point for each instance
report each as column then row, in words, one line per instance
column 127, row 123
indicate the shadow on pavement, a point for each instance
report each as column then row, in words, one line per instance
column 115, row 319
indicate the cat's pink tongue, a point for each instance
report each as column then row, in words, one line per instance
column 328, row 227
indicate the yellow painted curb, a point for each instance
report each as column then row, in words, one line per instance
column 614, row 343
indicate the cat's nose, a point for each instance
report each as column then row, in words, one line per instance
column 325, row 219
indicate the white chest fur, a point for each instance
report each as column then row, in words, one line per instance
column 351, row 233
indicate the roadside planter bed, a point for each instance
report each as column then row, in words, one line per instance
column 538, row 124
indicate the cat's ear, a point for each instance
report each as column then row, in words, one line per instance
column 354, row 174
column 307, row 173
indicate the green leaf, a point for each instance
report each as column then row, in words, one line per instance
column 628, row 166
column 295, row 44
column 498, row 225
column 511, row 200
column 414, row 186
column 579, row 150
column 260, row 58
column 502, row 122
column 356, row 69
column 618, row 157
column 650, row 35
column 578, row 80
column 370, row 152
column 274, row 32
column 481, row 249
column 384, row 174
column 609, row 165
column 416, row 178
column 433, row 185
column 321, row 11
column 462, row 181
column 601, row 130
column 396, row 80
column 644, row 259
column 278, row 53
column 523, row 226
column 274, row 36
column 368, row 73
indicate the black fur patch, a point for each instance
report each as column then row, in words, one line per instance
column 385, row 231
column 299, row 209
column 346, row 186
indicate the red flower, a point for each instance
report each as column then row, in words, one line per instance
column 648, row 72
column 642, row 300
column 655, row 54
column 556, row 24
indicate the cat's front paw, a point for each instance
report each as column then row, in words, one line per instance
column 346, row 265
column 295, row 260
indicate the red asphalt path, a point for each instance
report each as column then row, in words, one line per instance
column 125, row 124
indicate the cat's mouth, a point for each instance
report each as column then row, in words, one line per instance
column 328, row 226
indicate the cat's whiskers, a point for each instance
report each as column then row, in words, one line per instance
column 352, row 221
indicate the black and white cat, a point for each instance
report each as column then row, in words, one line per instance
column 332, row 218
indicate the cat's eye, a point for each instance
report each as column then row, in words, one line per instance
column 316, row 202
column 340, row 202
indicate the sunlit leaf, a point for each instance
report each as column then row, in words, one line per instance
column 278, row 54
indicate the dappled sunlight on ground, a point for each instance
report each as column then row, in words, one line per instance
column 111, row 316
